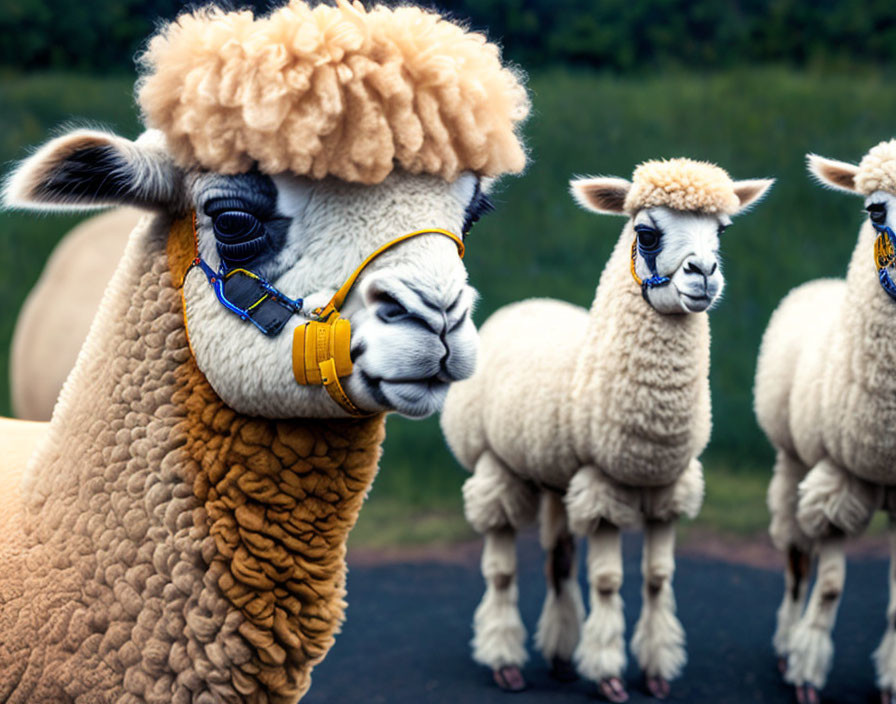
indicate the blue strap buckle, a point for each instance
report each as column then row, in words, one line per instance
column 249, row 296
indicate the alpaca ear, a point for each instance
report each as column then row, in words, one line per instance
column 601, row 194
column 832, row 173
column 751, row 191
column 87, row 169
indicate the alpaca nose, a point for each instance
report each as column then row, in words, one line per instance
column 701, row 266
column 394, row 301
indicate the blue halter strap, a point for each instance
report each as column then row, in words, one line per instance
column 274, row 316
column 649, row 256
column 885, row 257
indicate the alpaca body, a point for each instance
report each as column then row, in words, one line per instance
column 528, row 350
column 553, row 364
column 596, row 418
column 835, row 401
column 54, row 319
column 825, row 384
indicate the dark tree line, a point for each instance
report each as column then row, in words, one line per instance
column 103, row 35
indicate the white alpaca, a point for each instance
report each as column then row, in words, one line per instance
column 54, row 320
column 178, row 532
column 824, row 387
column 599, row 416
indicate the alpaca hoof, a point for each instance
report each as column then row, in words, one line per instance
column 613, row 689
column 562, row 670
column 658, row 687
column 807, row 694
column 782, row 666
column 509, row 678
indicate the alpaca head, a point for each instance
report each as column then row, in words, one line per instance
column 677, row 211
column 874, row 178
column 303, row 141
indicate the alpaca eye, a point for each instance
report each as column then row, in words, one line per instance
column 234, row 226
column 240, row 236
column 722, row 229
column 878, row 213
column 648, row 238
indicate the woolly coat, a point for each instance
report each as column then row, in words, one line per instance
column 825, row 384
column 161, row 547
column 612, row 403
column 56, row 316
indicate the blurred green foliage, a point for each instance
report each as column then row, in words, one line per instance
column 754, row 122
column 103, row 35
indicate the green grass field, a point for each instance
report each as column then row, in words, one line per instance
column 754, row 122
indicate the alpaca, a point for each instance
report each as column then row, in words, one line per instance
column 823, row 383
column 599, row 417
column 178, row 533
column 56, row 316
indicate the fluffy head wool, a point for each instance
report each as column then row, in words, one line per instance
column 333, row 91
column 682, row 184
column 877, row 170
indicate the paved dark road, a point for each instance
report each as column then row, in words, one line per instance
column 406, row 638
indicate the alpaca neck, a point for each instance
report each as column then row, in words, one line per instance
column 211, row 541
column 860, row 373
column 641, row 384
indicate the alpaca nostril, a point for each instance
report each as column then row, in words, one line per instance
column 700, row 268
column 388, row 308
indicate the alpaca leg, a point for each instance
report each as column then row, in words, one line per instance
column 796, row 578
column 498, row 632
column 600, row 655
column 561, row 617
column 658, row 643
column 885, row 655
column 786, row 534
column 811, row 648
column 496, row 503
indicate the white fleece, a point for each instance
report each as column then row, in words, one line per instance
column 824, row 380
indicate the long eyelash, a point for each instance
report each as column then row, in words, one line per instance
column 479, row 206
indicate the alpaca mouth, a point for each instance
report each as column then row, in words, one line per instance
column 410, row 397
column 696, row 304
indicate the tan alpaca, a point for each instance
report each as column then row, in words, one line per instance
column 178, row 534
column 599, row 417
column 823, row 396
column 54, row 320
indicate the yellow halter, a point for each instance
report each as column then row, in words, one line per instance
column 321, row 349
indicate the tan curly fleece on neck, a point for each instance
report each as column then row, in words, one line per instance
column 333, row 91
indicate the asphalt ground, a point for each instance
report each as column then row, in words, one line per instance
column 406, row 639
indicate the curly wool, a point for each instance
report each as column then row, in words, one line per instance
column 333, row 91
column 682, row 184
column 162, row 547
column 877, row 170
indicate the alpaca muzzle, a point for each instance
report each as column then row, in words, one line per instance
column 321, row 348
